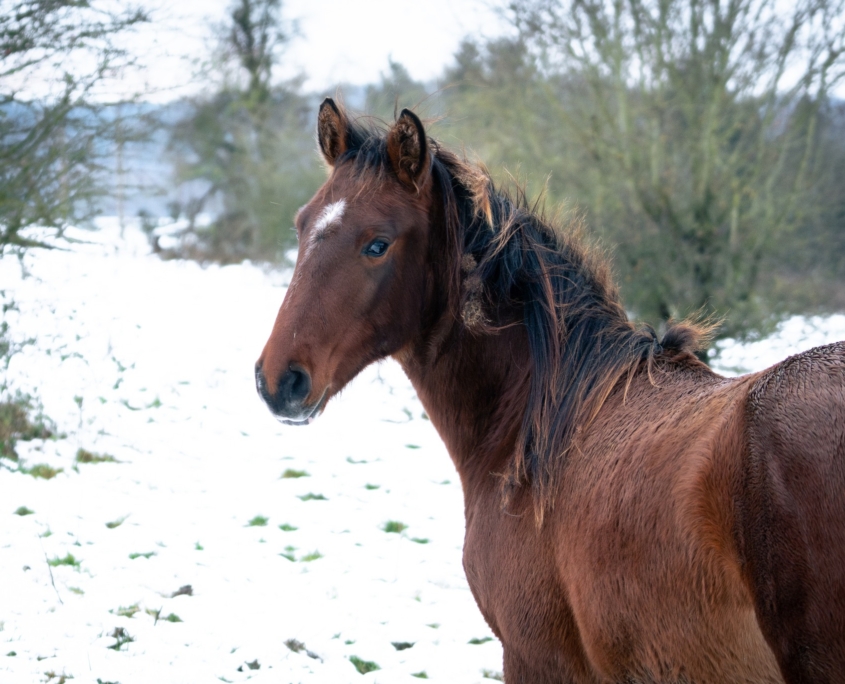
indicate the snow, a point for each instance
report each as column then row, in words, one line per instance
column 151, row 362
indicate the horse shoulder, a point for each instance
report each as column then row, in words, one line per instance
column 647, row 550
column 793, row 511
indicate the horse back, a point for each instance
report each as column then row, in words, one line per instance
column 792, row 512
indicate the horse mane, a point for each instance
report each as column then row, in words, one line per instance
column 502, row 255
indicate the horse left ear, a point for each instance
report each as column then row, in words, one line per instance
column 408, row 150
column 332, row 130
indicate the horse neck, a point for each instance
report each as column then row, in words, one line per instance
column 475, row 392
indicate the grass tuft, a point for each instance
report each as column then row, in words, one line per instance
column 148, row 554
column 402, row 645
column 490, row 674
column 23, row 510
column 363, row 666
column 482, row 640
column 312, row 497
column 126, row 611
column 371, row 487
column 419, row 540
column 85, row 456
column 43, row 471
column 21, row 419
column 394, row 526
column 285, row 527
column 258, row 521
column 420, row 675
column 116, row 523
column 314, row 555
column 67, row 560
column 121, row 637
column 290, row 473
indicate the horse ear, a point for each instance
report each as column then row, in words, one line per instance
column 407, row 148
column 332, row 130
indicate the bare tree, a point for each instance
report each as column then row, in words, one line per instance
column 700, row 122
column 53, row 54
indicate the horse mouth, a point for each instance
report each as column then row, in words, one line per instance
column 309, row 413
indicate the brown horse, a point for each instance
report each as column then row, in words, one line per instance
column 630, row 515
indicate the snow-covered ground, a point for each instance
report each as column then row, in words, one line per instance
column 222, row 546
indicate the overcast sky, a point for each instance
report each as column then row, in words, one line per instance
column 339, row 40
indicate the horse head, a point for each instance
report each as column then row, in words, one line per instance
column 361, row 275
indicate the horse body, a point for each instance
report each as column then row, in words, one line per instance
column 606, row 590
column 631, row 516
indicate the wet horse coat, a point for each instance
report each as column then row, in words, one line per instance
column 630, row 515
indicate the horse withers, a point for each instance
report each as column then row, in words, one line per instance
column 630, row 515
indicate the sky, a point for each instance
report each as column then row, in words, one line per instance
column 338, row 41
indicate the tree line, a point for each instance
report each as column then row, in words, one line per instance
column 703, row 141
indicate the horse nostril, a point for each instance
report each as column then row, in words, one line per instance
column 295, row 384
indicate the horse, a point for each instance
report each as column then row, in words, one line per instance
column 631, row 516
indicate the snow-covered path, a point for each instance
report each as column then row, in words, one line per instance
column 222, row 546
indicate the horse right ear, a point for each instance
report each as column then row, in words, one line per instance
column 332, row 130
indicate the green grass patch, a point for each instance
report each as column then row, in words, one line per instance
column 482, row 640
column 290, row 474
column 115, row 523
column 199, row 547
column 67, row 560
column 490, row 674
column 126, row 611
column 420, row 675
column 308, row 557
column 85, row 456
column 284, row 527
column 23, row 510
column 419, row 540
column 77, row 591
column 371, row 487
column 351, row 460
column 173, row 618
column 21, row 419
column 363, row 666
column 121, row 638
column 148, row 554
column 394, row 526
column 43, row 471
column 412, row 446
column 402, row 645
column 312, row 497
column 258, row 521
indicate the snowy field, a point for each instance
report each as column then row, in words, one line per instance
column 219, row 545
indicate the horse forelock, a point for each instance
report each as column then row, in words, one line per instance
column 497, row 252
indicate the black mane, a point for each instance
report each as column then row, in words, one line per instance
column 502, row 254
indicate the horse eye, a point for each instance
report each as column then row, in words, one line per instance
column 376, row 248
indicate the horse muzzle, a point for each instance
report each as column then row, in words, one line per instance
column 288, row 402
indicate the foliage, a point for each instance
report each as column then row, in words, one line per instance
column 21, row 415
column 363, row 666
column 697, row 128
column 248, row 146
column 52, row 140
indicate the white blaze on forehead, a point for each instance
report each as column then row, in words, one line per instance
column 331, row 214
